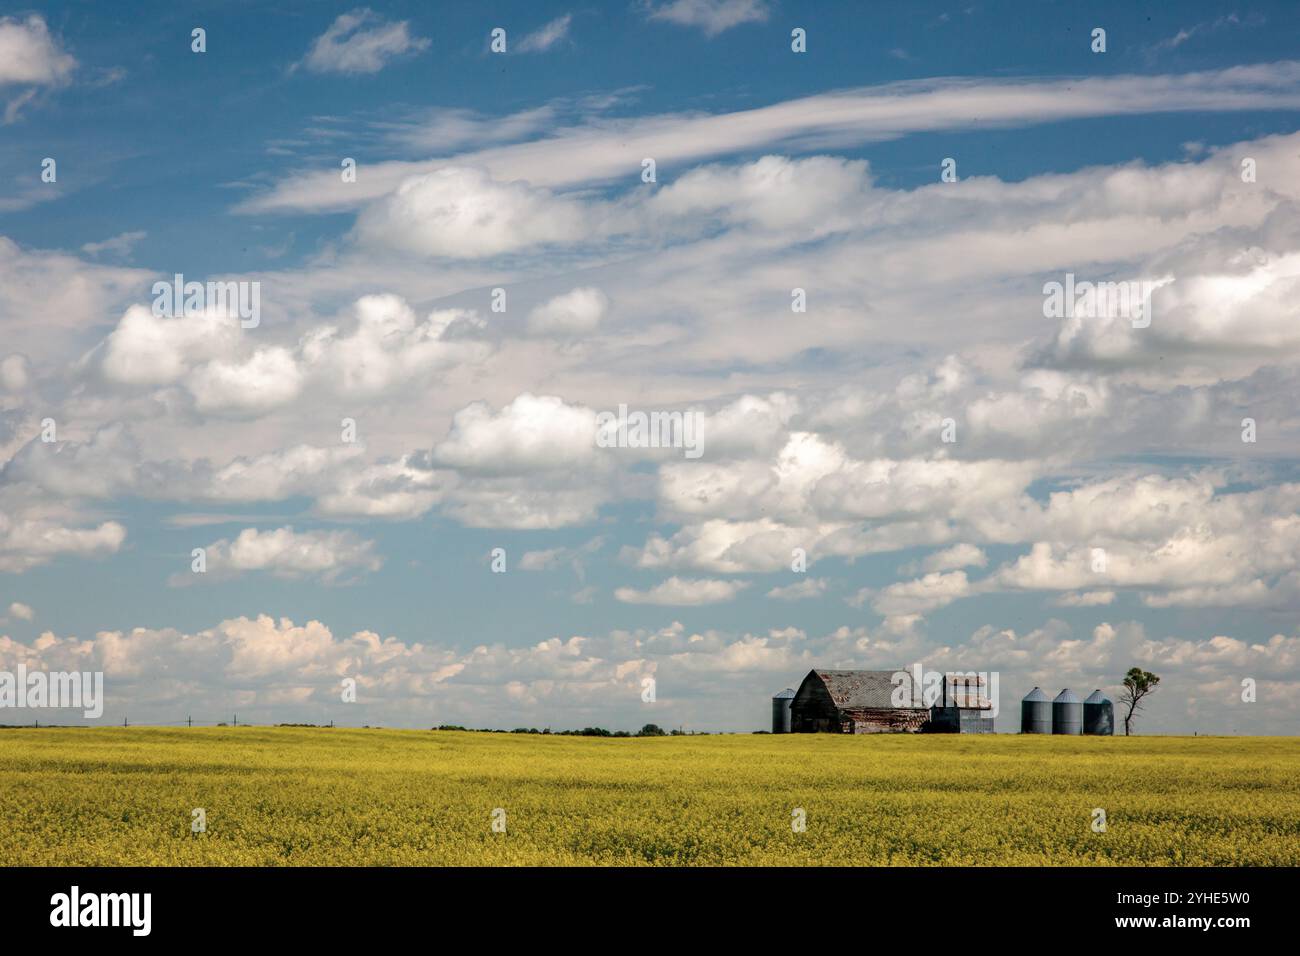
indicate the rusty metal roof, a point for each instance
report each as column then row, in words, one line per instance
column 866, row 689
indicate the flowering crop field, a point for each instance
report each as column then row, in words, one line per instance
column 300, row 796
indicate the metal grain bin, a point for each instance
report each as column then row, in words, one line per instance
column 1098, row 714
column 781, row 711
column 1067, row 713
column 1036, row 713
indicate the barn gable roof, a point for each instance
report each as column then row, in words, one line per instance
column 854, row 690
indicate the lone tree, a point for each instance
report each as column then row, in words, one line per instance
column 1137, row 685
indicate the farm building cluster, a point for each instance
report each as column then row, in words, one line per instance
column 891, row 702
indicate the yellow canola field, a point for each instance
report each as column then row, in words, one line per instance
column 326, row 797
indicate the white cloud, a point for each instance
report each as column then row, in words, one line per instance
column 531, row 434
column 711, row 16
column 285, row 553
column 546, row 36
column 30, row 541
column 390, row 346
column 683, row 592
column 30, row 56
column 296, row 470
column 119, row 245
column 934, row 590
column 958, row 556
column 1243, row 303
column 549, row 559
column 49, row 299
column 21, row 611
column 800, row 591
column 519, row 503
column 267, row 379
column 546, row 560
column 148, row 349
column 602, row 150
column 575, row 312
column 729, row 547
column 817, row 195
column 463, row 213
column 15, row 372
column 400, row 488
column 1087, row 599
column 273, row 670
column 361, row 42
column 213, row 358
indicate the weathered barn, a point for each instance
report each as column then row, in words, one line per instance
column 867, row 702
column 855, row 702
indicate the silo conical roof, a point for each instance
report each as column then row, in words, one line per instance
column 1097, row 697
column 1067, row 696
column 1036, row 694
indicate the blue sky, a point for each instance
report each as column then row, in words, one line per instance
column 522, row 171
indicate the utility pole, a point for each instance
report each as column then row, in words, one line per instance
column 236, row 720
column 189, row 721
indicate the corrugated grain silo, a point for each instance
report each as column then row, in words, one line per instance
column 781, row 711
column 1098, row 714
column 1067, row 713
column 1036, row 713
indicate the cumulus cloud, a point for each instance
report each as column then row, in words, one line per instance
column 683, row 592
column 28, row 541
column 533, row 433
column 391, row 346
column 574, row 312
column 361, row 42
column 820, row 431
column 267, row 379
column 958, row 556
column 30, row 58
column 286, row 553
column 278, row 670
column 30, row 55
column 21, row 611
column 148, row 349
column 819, row 195
column 934, row 590
column 463, row 213
column 386, row 348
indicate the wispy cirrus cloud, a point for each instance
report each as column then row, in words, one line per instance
column 360, row 42
column 588, row 153
column 546, row 36
column 711, row 16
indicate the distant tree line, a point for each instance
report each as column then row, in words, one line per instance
column 649, row 730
